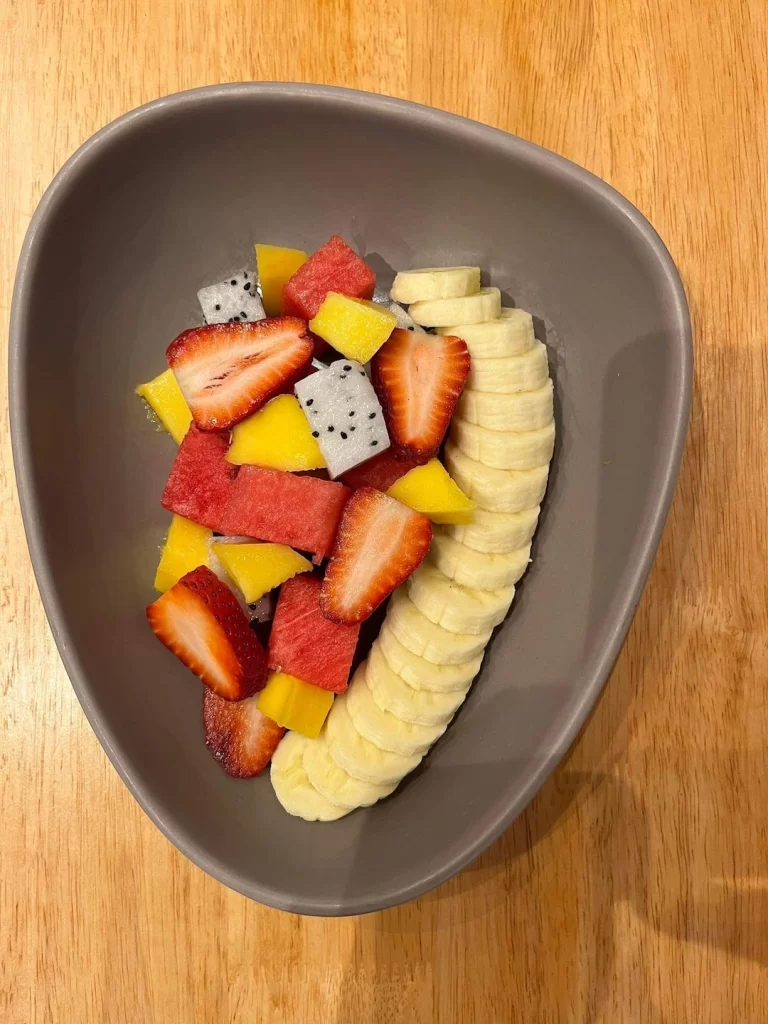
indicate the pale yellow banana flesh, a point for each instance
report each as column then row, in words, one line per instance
column 523, row 410
column 334, row 783
column 415, row 631
column 509, row 335
column 484, row 570
column 505, row 449
column 497, row 531
column 526, row 372
column 457, row 608
column 358, row 756
column 393, row 694
column 292, row 786
column 472, row 309
column 422, row 674
column 435, row 283
column 382, row 727
column 497, row 490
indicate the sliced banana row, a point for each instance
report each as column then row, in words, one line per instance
column 431, row 644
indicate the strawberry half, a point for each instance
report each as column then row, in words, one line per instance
column 238, row 735
column 419, row 378
column 379, row 544
column 200, row 621
column 227, row 371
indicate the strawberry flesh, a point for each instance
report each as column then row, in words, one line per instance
column 380, row 472
column 335, row 267
column 238, row 735
column 201, row 622
column 306, row 644
column 419, row 378
column 227, row 371
column 201, row 480
column 379, row 544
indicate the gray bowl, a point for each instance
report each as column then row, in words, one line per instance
column 171, row 197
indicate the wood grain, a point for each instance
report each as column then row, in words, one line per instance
column 635, row 888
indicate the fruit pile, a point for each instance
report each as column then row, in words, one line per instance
column 306, row 492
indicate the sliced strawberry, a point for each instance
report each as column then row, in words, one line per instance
column 380, row 472
column 200, row 621
column 238, row 735
column 226, row 371
column 379, row 544
column 419, row 378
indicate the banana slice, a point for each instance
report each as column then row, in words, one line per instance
column 472, row 309
column 526, row 372
column 359, row 757
column 505, row 449
column 497, row 490
column 523, row 410
column 435, row 283
column 497, row 531
column 334, row 783
column 292, row 787
column 382, row 727
column 510, row 335
column 413, row 629
column 457, row 609
column 393, row 694
column 423, row 674
column 478, row 569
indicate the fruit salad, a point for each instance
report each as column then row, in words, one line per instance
column 339, row 454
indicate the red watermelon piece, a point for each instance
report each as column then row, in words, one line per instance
column 201, row 480
column 380, row 472
column 285, row 508
column 304, row 643
column 335, row 267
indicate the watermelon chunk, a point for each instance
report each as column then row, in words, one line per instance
column 272, row 505
column 379, row 472
column 335, row 267
column 304, row 643
column 201, row 481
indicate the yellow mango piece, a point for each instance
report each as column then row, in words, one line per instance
column 164, row 396
column 295, row 704
column 277, row 436
column 258, row 568
column 355, row 327
column 185, row 548
column 276, row 266
column 430, row 489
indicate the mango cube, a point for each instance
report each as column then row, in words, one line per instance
column 277, row 436
column 186, row 547
column 430, row 489
column 295, row 704
column 258, row 568
column 355, row 327
column 164, row 396
column 276, row 266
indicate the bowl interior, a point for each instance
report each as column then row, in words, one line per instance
column 173, row 198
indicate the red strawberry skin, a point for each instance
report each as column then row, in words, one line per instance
column 285, row 508
column 201, row 480
column 304, row 643
column 419, row 378
column 227, row 371
column 335, row 267
column 379, row 544
column 200, row 621
column 238, row 735
column 380, row 472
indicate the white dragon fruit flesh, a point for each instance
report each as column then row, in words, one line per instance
column 344, row 414
column 235, row 300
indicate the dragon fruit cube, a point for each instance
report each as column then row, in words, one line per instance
column 345, row 415
column 233, row 300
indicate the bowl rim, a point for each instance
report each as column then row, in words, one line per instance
column 541, row 159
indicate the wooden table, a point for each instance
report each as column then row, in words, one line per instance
column 635, row 888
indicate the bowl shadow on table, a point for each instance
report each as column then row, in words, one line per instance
column 587, row 776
